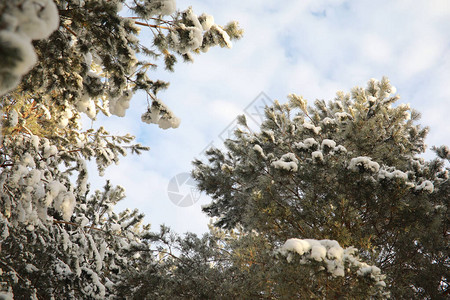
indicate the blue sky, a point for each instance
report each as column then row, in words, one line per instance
column 313, row 48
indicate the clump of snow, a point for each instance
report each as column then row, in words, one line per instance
column 392, row 90
column 62, row 270
column 295, row 245
column 426, row 186
column 66, row 205
column 191, row 18
column 160, row 7
column 13, row 118
column 206, row 21
column 53, row 189
column 82, row 221
column 395, row 174
column 64, row 117
column 49, row 150
column 400, row 174
column 88, row 59
column 375, row 83
column 116, row 227
column 62, row 199
column 161, row 115
column 258, row 149
column 87, row 106
column 371, row 100
column 328, row 143
column 20, row 171
column 33, row 177
column 223, row 34
column 327, row 251
column 340, row 149
column 6, row 295
column 31, row 20
column 318, row 252
column 306, row 144
column 328, row 121
column 168, row 7
column 37, row 19
column 118, row 106
column 196, row 38
column 22, row 47
column 34, row 140
column 311, row 127
column 317, row 156
column 30, row 269
column 287, row 162
column 363, row 163
column 335, row 258
column 186, row 38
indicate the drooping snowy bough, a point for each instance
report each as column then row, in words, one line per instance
column 334, row 260
column 23, row 21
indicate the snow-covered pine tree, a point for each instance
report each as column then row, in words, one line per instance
column 348, row 170
column 60, row 59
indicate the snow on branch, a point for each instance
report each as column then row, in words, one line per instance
column 362, row 163
column 22, row 22
column 336, row 260
column 287, row 162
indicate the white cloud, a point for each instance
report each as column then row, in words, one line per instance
column 420, row 55
column 376, row 49
column 224, row 110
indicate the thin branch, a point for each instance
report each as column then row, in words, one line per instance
column 156, row 19
column 150, row 25
column 69, row 30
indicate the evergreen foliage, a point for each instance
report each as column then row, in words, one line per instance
column 348, row 170
column 244, row 265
